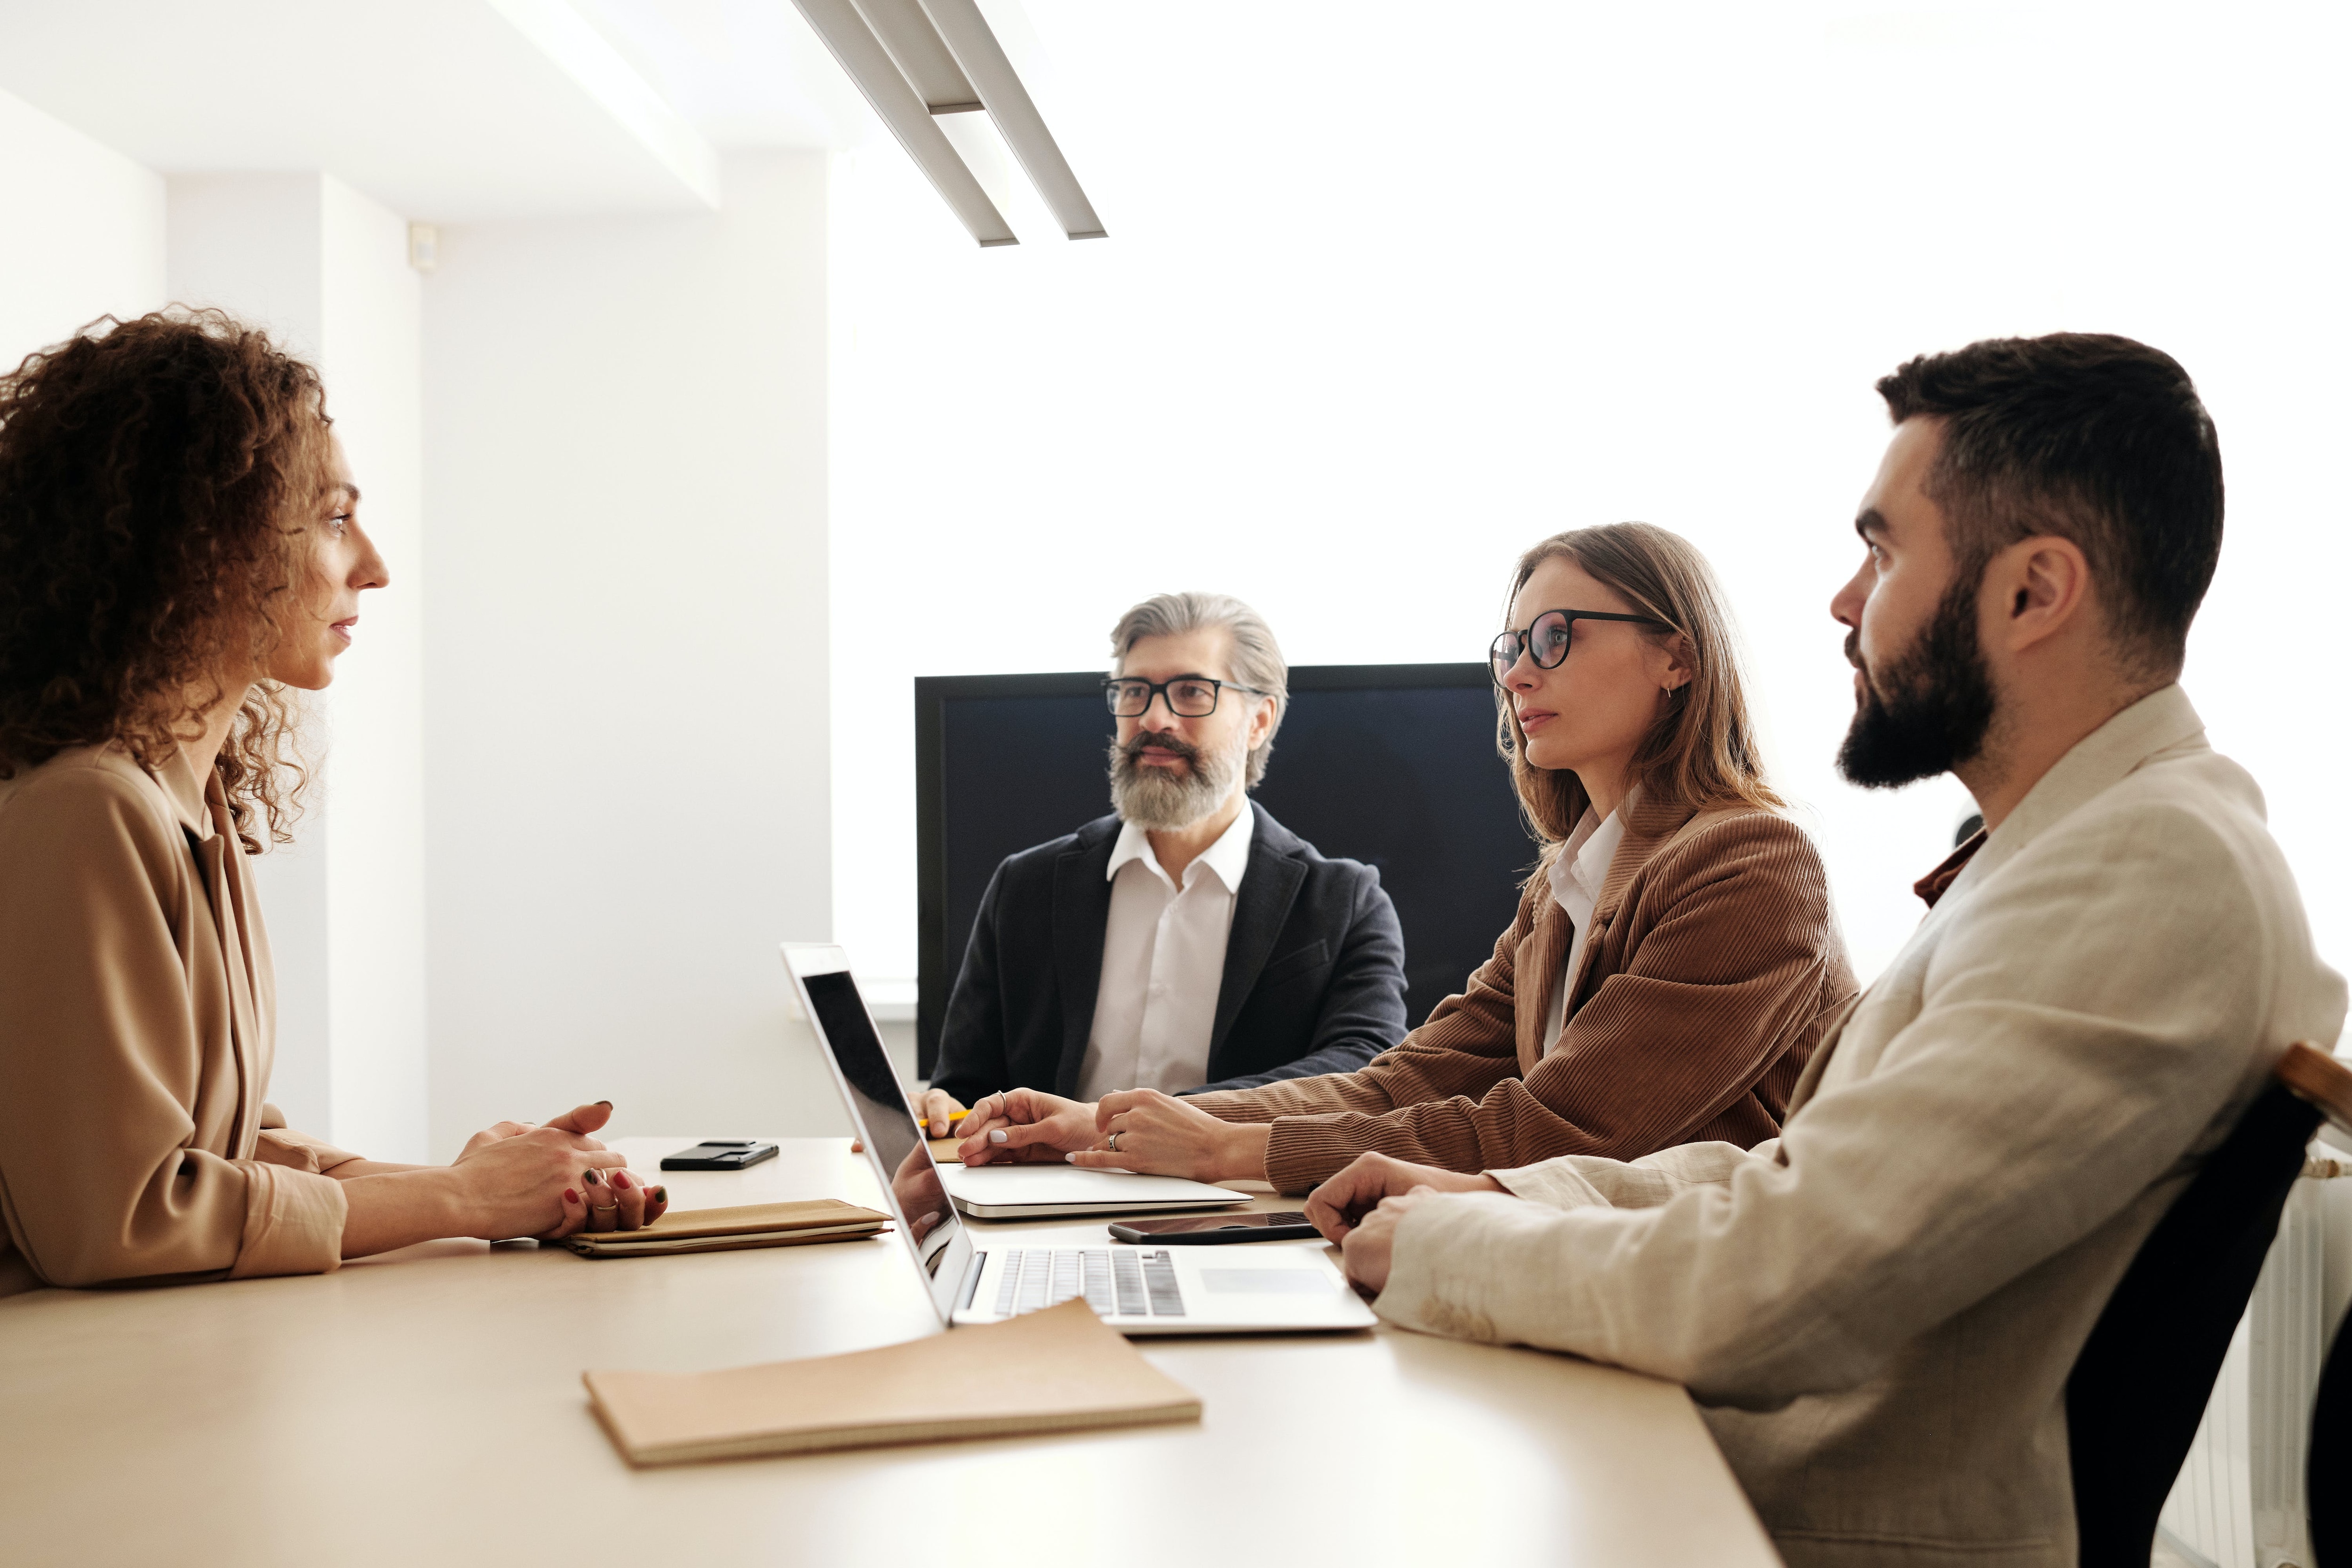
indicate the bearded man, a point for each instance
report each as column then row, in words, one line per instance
column 1187, row 941
column 1878, row 1310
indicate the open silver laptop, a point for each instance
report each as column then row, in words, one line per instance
column 1261, row 1287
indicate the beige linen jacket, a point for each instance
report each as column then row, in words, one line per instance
column 137, row 1012
column 1881, row 1307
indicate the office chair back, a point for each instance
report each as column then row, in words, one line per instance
column 2327, row 1474
column 2140, row 1385
column 2328, row 1468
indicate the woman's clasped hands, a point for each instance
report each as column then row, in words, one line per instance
column 1139, row 1130
column 1023, row 1126
column 551, row 1179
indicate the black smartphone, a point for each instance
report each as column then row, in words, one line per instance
column 1216, row 1230
column 719, row 1155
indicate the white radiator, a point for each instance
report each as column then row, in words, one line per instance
column 2239, row 1502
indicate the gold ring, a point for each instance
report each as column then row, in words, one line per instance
column 602, row 1208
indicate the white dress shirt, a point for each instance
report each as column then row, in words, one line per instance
column 1163, row 961
column 1576, row 875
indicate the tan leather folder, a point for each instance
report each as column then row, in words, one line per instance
column 1060, row 1370
column 727, row 1230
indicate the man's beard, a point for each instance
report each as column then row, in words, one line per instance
column 1164, row 800
column 1929, row 712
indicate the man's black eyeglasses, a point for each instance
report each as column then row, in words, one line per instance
column 1546, row 640
column 1188, row 696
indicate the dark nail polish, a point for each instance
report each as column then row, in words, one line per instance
column 571, row 1195
column 591, row 1177
column 621, row 1181
column 605, row 1103
column 661, row 1194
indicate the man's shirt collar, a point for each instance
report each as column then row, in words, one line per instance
column 1228, row 857
column 2159, row 724
column 1939, row 882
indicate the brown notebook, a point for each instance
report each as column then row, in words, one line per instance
column 1060, row 1370
column 727, row 1230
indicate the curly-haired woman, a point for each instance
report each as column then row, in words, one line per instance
column 1674, row 962
column 180, row 543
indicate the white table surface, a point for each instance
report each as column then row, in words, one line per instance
column 426, row 1407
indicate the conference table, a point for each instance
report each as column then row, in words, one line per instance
column 426, row 1407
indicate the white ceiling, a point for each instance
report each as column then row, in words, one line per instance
column 444, row 110
column 746, row 73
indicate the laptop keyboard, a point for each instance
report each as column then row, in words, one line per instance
column 1118, row 1281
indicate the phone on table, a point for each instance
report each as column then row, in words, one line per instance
column 719, row 1155
column 1216, row 1230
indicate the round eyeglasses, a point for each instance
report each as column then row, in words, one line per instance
column 1188, row 696
column 1545, row 640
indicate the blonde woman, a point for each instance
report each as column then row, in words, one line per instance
column 1674, row 958
column 179, row 543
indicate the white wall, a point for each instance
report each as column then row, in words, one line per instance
column 324, row 270
column 82, row 232
column 372, row 359
column 626, row 727
column 1390, row 294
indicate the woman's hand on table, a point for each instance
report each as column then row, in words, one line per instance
column 1024, row 1126
column 551, row 1179
column 579, row 1121
column 1347, row 1202
column 1159, row 1134
column 548, row 1180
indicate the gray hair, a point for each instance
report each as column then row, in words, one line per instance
column 1257, row 661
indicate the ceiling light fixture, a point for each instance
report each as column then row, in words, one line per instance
column 916, row 59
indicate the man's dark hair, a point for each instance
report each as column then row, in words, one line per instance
column 2091, row 437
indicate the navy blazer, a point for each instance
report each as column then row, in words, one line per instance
column 1314, row 977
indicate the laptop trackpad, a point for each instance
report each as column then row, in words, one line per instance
column 1266, row 1281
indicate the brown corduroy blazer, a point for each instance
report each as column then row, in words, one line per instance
column 1714, row 965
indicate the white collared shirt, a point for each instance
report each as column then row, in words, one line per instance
column 1163, row 961
column 1576, row 875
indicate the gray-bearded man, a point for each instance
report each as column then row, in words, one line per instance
column 1187, row 941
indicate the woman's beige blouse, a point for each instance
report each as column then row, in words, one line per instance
column 137, row 1016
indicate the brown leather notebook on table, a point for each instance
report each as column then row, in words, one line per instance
column 1061, row 1370
column 728, row 1229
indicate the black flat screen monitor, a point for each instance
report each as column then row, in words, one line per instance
column 1393, row 765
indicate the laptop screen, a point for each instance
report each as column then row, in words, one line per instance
column 884, row 1120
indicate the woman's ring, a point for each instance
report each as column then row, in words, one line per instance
column 1111, row 1142
column 602, row 1208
